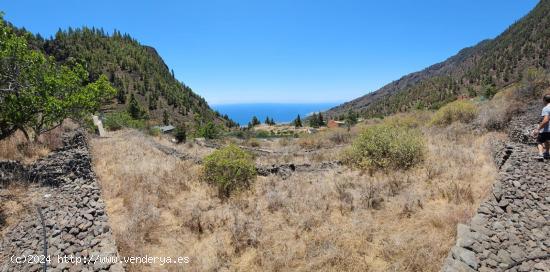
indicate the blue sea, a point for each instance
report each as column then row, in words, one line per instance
column 280, row 112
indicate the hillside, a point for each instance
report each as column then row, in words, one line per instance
column 477, row 70
column 132, row 68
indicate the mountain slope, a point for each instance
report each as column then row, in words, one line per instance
column 133, row 69
column 477, row 70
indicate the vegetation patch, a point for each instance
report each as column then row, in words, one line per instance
column 181, row 134
column 230, row 169
column 119, row 120
column 385, row 146
column 459, row 111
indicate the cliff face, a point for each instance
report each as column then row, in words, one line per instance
column 489, row 65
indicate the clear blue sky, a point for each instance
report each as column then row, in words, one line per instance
column 285, row 50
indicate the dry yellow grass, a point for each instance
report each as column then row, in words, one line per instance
column 336, row 220
column 15, row 199
column 16, row 147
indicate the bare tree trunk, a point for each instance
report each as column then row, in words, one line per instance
column 26, row 134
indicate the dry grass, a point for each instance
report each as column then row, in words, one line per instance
column 15, row 199
column 16, row 147
column 337, row 220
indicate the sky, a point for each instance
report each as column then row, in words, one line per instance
column 284, row 51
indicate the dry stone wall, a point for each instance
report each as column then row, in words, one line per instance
column 511, row 229
column 66, row 220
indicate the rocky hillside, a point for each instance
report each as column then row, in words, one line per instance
column 478, row 70
column 133, row 69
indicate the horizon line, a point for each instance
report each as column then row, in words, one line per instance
column 277, row 102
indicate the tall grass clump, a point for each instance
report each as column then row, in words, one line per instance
column 458, row 111
column 229, row 168
column 386, row 146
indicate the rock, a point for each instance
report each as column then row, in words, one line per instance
column 452, row 265
column 504, row 257
column 516, row 253
column 466, row 256
column 541, row 266
column 88, row 216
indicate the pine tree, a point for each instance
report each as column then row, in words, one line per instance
column 165, row 118
column 267, row 121
column 152, row 102
column 121, row 96
column 255, row 121
column 297, row 122
column 180, row 134
column 351, row 119
column 314, row 120
column 134, row 109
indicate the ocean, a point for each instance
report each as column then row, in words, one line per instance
column 280, row 112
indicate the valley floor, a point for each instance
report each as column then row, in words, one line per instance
column 320, row 220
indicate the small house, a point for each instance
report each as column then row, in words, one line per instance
column 335, row 124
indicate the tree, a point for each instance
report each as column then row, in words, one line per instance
column 255, row 121
column 269, row 121
column 135, row 110
column 165, row 118
column 208, row 131
column 490, row 91
column 314, row 120
column 351, row 119
column 152, row 102
column 180, row 134
column 36, row 94
column 121, row 96
column 297, row 122
column 320, row 121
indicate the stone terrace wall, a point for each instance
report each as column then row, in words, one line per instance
column 511, row 229
column 67, row 205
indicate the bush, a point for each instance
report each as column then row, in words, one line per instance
column 386, row 146
column 253, row 142
column 339, row 137
column 180, row 134
column 230, row 169
column 311, row 142
column 208, row 131
column 461, row 110
column 118, row 120
column 262, row 134
column 154, row 131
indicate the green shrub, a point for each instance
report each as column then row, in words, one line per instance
column 180, row 134
column 118, row 120
column 386, row 146
column 229, row 168
column 154, row 131
column 208, row 131
column 461, row 110
column 262, row 134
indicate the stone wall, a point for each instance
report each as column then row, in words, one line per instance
column 66, row 212
column 511, row 229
